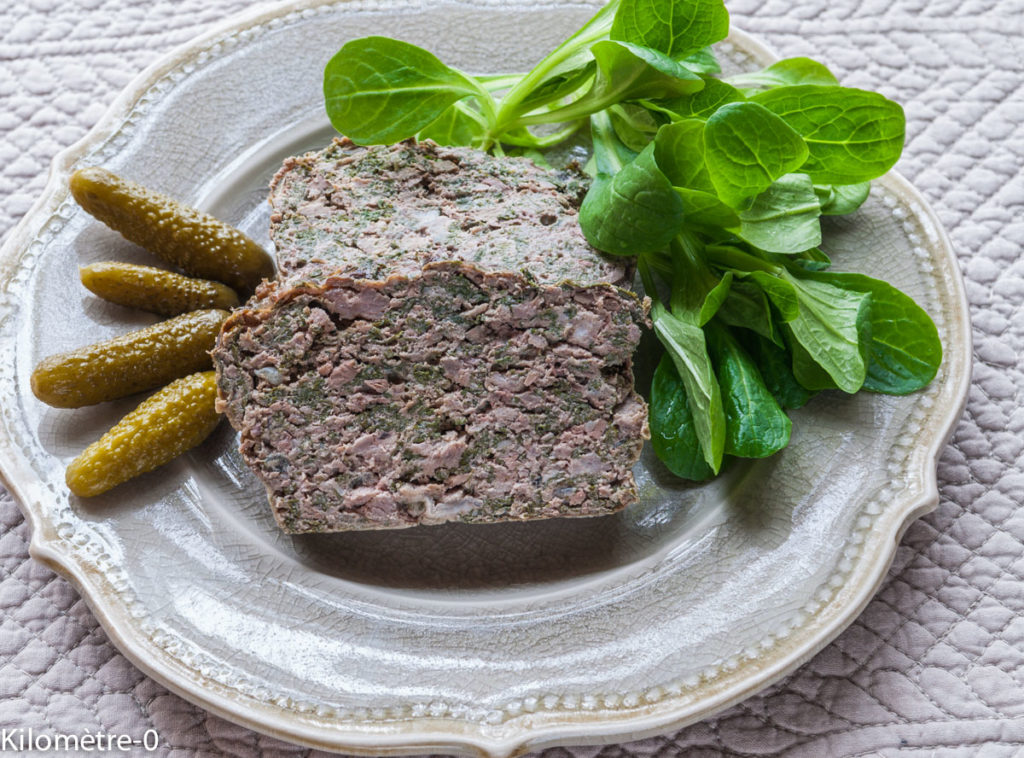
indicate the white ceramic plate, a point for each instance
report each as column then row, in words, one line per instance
column 469, row 639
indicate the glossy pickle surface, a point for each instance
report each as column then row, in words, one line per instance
column 134, row 362
column 196, row 242
column 165, row 425
column 155, row 290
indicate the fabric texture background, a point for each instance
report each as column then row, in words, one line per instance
column 935, row 664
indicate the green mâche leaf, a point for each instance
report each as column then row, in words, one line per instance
column 852, row 135
column 677, row 28
column 747, row 147
column 634, row 212
column 380, row 91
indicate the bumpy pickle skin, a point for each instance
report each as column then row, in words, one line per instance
column 171, row 422
column 135, row 362
column 186, row 237
column 155, row 290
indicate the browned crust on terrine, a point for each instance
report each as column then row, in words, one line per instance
column 372, row 212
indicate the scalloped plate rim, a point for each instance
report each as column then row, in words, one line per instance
column 425, row 733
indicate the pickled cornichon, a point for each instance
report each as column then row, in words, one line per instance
column 186, row 237
column 153, row 289
column 174, row 420
column 134, row 362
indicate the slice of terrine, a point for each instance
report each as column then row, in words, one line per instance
column 441, row 345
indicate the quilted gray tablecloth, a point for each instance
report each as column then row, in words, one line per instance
column 934, row 666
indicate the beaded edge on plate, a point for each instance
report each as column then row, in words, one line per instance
column 87, row 551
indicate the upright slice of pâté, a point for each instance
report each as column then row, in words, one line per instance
column 441, row 345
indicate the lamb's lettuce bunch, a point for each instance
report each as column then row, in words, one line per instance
column 716, row 185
